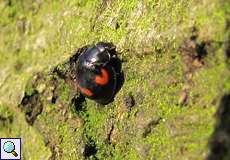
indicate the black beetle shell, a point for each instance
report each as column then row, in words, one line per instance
column 99, row 72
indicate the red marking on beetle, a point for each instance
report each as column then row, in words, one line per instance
column 86, row 91
column 102, row 79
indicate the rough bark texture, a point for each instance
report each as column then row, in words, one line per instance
column 175, row 57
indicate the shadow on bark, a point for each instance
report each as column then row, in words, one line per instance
column 219, row 142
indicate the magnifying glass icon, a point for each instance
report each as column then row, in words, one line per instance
column 9, row 147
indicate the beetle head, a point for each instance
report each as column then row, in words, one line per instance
column 99, row 55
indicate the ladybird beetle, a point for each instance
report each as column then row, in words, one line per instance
column 98, row 72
